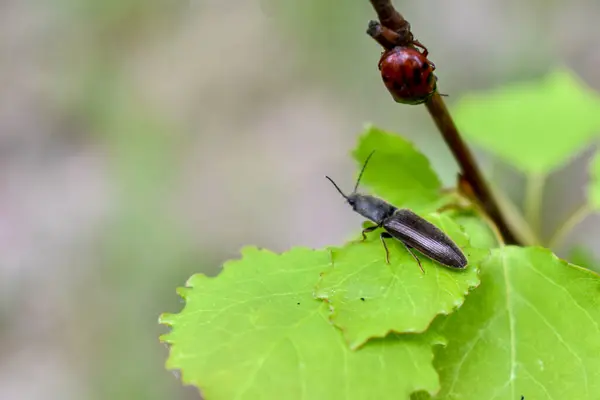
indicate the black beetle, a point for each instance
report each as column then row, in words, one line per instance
column 406, row 226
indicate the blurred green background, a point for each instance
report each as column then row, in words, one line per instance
column 142, row 141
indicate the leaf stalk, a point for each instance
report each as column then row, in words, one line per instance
column 533, row 201
column 568, row 225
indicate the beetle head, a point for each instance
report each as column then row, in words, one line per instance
column 368, row 206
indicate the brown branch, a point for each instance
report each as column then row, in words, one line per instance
column 388, row 15
column 470, row 170
column 392, row 20
column 386, row 37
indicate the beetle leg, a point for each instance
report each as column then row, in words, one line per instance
column 416, row 43
column 408, row 248
column 367, row 230
column 383, row 236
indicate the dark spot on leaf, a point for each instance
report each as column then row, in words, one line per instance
column 298, row 303
column 362, row 298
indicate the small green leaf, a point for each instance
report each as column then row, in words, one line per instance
column 531, row 329
column 397, row 172
column 535, row 126
column 370, row 298
column 256, row 332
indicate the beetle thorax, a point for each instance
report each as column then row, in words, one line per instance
column 371, row 207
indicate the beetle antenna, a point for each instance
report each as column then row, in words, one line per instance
column 337, row 187
column 362, row 171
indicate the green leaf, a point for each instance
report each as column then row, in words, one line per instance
column 370, row 298
column 256, row 332
column 535, row 126
column 531, row 329
column 480, row 234
column 580, row 255
column 397, row 172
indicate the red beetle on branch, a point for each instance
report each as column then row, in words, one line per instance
column 408, row 75
column 406, row 71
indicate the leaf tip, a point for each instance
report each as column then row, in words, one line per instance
column 250, row 250
column 190, row 283
column 165, row 338
column 184, row 291
column 167, row 319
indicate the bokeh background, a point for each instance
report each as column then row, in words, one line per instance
column 142, row 141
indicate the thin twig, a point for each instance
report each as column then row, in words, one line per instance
column 470, row 170
column 389, row 17
column 566, row 227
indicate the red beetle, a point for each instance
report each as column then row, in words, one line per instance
column 408, row 74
